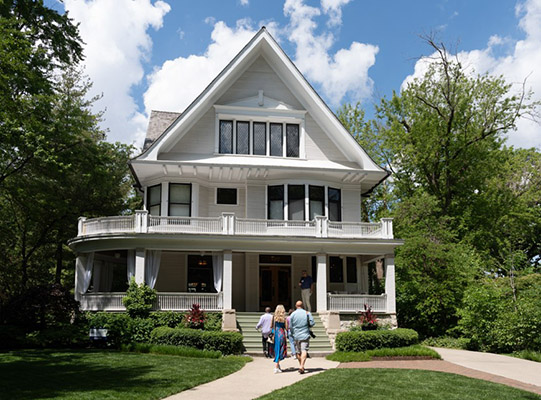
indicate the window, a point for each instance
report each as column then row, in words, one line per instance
column 336, row 270
column 274, row 259
column 226, row 196
column 180, row 195
column 276, row 147
column 295, row 199
column 276, row 202
column 292, row 140
column 351, row 265
column 260, row 138
column 154, row 199
column 317, row 201
column 243, row 137
column 335, row 205
column 226, row 137
column 200, row 274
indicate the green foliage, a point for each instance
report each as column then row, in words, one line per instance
column 167, row 318
column 397, row 352
column 528, row 355
column 119, row 326
column 368, row 340
column 225, row 342
column 448, row 342
column 170, row 350
column 213, row 321
column 59, row 336
column 139, row 300
column 495, row 321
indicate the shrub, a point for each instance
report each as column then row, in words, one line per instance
column 213, row 322
column 60, row 336
column 195, row 319
column 368, row 340
column 139, row 300
column 167, row 318
column 119, row 326
column 224, row 342
column 448, row 342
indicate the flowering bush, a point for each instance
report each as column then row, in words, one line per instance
column 196, row 317
column 368, row 320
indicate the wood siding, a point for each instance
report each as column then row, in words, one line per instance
column 318, row 145
column 351, row 205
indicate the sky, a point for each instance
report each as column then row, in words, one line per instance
column 145, row 55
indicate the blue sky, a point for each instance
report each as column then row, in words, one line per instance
column 145, row 55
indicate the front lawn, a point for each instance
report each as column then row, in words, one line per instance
column 368, row 355
column 385, row 384
column 104, row 374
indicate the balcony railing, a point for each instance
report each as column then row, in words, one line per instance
column 228, row 224
column 164, row 302
column 356, row 302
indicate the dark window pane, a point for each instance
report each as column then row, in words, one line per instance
column 200, row 275
column 317, row 201
column 276, row 202
column 352, row 270
column 226, row 137
column 154, row 199
column 274, row 259
column 243, row 137
column 296, row 202
column 226, row 196
column 260, row 138
column 180, row 199
column 292, row 140
column 276, row 140
column 314, row 268
column 335, row 205
column 336, row 270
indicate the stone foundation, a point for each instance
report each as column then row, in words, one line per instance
column 229, row 321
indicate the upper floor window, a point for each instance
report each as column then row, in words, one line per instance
column 226, row 137
column 226, row 196
column 276, row 202
column 335, row 204
column 292, row 140
column 260, row 138
column 243, row 137
column 180, row 195
column 317, row 201
column 295, row 194
column 276, row 137
column 154, row 199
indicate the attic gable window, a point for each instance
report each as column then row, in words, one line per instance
column 226, row 137
column 292, row 140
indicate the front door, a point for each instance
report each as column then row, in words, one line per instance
column 274, row 286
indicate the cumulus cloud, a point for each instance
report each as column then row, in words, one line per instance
column 334, row 9
column 520, row 63
column 117, row 42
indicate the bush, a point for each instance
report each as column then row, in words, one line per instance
column 448, row 342
column 213, row 322
column 119, row 326
column 60, row 336
column 139, row 300
column 11, row 337
column 224, row 342
column 171, row 319
column 368, row 340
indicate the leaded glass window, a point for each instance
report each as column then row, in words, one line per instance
column 292, row 140
column 276, row 140
column 226, row 137
column 260, row 138
column 243, row 137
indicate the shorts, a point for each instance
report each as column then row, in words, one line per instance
column 302, row 345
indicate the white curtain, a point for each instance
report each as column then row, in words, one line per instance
column 218, row 270
column 131, row 265
column 152, row 266
column 84, row 273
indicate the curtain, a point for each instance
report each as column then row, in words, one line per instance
column 218, row 270
column 83, row 266
column 131, row 265
column 152, row 266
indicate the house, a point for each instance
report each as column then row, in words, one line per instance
column 254, row 182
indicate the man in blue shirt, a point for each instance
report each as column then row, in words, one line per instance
column 301, row 322
column 307, row 285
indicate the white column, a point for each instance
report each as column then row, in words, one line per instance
column 321, row 285
column 228, row 280
column 164, row 207
column 140, row 266
column 390, row 284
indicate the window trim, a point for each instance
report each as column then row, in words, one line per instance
column 226, row 204
column 169, row 202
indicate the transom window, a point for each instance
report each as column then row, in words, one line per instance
column 275, row 139
column 180, row 196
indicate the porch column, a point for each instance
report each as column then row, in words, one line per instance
column 390, row 284
column 139, row 266
column 228, row 280
column 321, row 285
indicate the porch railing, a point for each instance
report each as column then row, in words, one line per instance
column 164, row 302
column 356, row 302
column 228, row 224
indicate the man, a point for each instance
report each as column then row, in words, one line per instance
column 301, row 322
column 307, row 285
column 265, row 324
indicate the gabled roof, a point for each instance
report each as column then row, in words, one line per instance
column 263, row 44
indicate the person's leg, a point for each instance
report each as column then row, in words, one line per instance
column 305, row 294
column 304, row 345
column 265, row 345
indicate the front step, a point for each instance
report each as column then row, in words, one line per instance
column 246, row 322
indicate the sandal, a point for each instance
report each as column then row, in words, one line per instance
column 301, row 371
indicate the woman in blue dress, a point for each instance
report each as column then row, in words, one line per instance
column 279, row 349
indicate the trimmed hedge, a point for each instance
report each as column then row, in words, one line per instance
column 224, row 342
column 368, row 340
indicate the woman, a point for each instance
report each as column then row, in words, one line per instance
column 280, row 327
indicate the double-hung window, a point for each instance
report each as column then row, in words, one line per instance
column 276, row 202
column 295, row 201
column 317, row 201
column 180, row 196
column 154, row 199
column 335, row 204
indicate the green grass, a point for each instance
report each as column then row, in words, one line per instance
column 103, row 374
column 528, row 355
column 170, row 350
column 409, row 351
column 384, row 384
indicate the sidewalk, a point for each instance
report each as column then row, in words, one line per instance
column 255, row 379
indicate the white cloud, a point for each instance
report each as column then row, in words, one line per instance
column 245, row 2
column 519, row 63
column 115, row 33
column 334, row 9
column 345, row 72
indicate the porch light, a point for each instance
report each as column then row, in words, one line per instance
column 202, row 262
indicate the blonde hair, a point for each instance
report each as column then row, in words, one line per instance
column 280, row 313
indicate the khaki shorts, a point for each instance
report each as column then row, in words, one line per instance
column 302, row 345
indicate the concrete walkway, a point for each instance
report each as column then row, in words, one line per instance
column 255, row 379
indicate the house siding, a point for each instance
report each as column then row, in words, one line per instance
column 199, row 139
column 351, row 205
column 215, row 210
column 318, row 145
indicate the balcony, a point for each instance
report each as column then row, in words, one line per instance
column 228, row 224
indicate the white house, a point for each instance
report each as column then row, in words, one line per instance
column 255, row 181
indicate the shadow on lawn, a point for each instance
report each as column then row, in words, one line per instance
column 40, row 374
